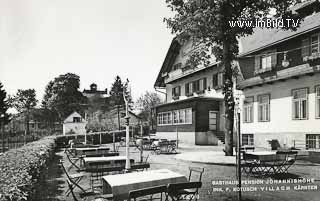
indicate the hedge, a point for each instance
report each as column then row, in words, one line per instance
column 106, row 138
column 20, row 169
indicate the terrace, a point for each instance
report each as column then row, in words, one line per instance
column 218, row 179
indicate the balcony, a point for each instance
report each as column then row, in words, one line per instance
column 262, row 70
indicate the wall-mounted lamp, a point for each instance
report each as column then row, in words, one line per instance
column 285, row 62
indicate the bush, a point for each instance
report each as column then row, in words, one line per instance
column 20, row 169
column 106, row 138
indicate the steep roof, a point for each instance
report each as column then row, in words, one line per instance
column 168, row 61
column 263, row 38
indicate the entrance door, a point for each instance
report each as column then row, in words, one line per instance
column 213, row 120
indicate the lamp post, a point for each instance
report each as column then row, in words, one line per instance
column 125, row 97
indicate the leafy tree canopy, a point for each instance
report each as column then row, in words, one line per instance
column 63, row 97
column 146, row 102
column 25, row 100
column 4, row 106
column 117, row 90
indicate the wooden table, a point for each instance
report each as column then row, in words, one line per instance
column 91, row 150
column 120, row 185
column 104, row 160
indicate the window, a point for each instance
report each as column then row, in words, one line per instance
column 315, row 44
column 189, row 89
column 220, row 79
column 188, row 116
column 176, row 91
column 248, row 110
column 264, row 108
column 213, row 123
column 313, row 141
column 202, row 84
column 247, row 139
column 164, row 118
column 182, row 116
column 175, row 116
column 300, row 103
column 177, row 66
column 266, row 62
column 76, row 119
column 317, row 101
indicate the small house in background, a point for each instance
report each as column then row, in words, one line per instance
column 74, row 124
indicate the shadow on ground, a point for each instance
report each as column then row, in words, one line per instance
column 52, row 186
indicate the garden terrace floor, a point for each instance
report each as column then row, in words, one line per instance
column 54, row 187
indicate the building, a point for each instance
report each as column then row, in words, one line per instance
column 193, row 110
column 281, row 71
column 94, row 92
column 74, row 124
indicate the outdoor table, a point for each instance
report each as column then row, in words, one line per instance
column 91, row 150
column 120, row 185
column 104, row 160
column 261, row 156
column 266, row 162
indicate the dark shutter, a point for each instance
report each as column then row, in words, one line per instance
column 273, row 58
column 173, row 92
column 305, row 44
column 257, row 62
column 204, row 83
column 196, row 85
column 215, row 80
column 186, row 89
column 179, row 90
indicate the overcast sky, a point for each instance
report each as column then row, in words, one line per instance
column 95, row 39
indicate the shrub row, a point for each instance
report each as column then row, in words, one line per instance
column 20, row 169
column 106, row 138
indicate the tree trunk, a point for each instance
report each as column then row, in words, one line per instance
column 228, row 98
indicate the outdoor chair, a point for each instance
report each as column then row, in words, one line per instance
column 73, row 178
column 251, row 166
column 184, row 191
column 284, row 160
column 73, row 159
column 87, row 195
column 148, row 193
column 197, row 170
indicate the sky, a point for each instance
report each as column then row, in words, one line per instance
column 95, row 39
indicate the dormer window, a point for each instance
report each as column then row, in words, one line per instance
column 76, row 119
column 177, row 66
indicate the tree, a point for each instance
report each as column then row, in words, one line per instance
column 116, row 92
column 4, row 106
column 207, row 23
column 24, row 101
column 146, row 103
column 62, row 96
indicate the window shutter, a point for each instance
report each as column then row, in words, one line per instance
column 195, row 86
column 173, row 93
column 215, row 80
column 257, row 62
column 186, row 87
column 179, row 90
column 273, row 58
column 305, row 44
column 204, row 83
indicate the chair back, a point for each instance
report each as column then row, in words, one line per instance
column 147, row 191
column 174, row 188
column 65, row 170
column 198, row 170
column 71, row 187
